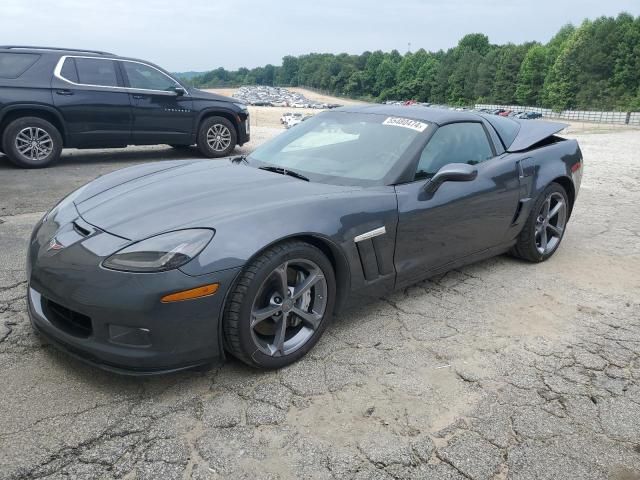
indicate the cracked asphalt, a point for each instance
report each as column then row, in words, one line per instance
column 499, row 370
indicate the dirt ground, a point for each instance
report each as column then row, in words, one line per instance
column 499, row 370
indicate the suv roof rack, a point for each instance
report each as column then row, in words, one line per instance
column 28, row 47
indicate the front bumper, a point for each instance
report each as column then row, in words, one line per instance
column 115, row 320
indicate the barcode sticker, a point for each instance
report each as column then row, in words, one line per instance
column 406, row 123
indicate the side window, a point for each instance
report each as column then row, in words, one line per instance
column 94, row 71
column 12, row 65
column 147, row 78
column 454, row 143
column 68, row 70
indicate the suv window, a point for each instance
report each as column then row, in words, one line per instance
column 12, row 65
column 147, row 78
column 69, row 71
column 454, row 143
column 94, row 71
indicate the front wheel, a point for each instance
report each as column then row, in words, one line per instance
column 280, row 305
column 32, row 142
column 216, row 137
column 544, row 229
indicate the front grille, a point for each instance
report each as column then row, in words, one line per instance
column 67, row 320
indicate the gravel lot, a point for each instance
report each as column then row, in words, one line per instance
column 498, row 370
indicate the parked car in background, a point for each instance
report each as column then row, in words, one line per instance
column 293, row 121
column 53, row 98
column 262, row 95
column 291, row 118
column 285, row 116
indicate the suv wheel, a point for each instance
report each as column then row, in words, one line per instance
column 31, row 142
column 216, row 137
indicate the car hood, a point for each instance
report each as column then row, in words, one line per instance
column 202, row 95
column 142, row 201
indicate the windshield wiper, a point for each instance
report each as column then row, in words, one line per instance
column 284, row 171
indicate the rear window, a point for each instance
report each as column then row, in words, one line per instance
column 12, row 65
column 506, row 128
column 93, row 71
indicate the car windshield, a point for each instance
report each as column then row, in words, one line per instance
column 342, row 147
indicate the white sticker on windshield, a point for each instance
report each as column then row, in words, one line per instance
column 406, row 123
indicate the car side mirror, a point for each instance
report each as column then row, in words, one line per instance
column 453, row 172
column 179, row 91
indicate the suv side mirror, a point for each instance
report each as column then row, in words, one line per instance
column 453, row 172
column 179, row 91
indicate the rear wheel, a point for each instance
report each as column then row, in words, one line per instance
column 280, row 305
column 32, row 142
column 544, row 229
column 216, row 137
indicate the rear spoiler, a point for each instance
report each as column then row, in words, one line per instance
column 532, row 132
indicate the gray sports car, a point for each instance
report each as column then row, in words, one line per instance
column 168, row 265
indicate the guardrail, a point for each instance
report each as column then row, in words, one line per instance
column 621, row 118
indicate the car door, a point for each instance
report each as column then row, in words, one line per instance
column 89, row 93
column 460, row 218
column 160, row 113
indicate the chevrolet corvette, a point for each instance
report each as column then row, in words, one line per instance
column 171, row 265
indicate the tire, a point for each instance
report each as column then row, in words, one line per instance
column 258, row 289
column 216, row 129
column 43, row 154
column 530, row 240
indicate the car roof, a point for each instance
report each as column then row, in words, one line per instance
column 56, row 50
column 439, row 116
column 67, row 51
column 73, row 52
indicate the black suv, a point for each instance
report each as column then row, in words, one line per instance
column 53, row 98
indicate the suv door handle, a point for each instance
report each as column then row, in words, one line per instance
column 64, row 92
column 138, row 97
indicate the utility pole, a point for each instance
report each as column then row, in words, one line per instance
column 409, row 47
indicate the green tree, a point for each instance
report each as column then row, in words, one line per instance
column 533, row 72
column 594, row 66
column 385, row 75
column 288, row 73
column 508, row 65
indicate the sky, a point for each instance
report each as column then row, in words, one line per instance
column 204, row 34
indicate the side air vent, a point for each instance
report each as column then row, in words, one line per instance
column 371, row 248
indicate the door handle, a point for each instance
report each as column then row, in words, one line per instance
column 64, row 92
column 138, row 97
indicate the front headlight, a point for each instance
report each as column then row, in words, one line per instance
column 242, row 106
column 163, row 252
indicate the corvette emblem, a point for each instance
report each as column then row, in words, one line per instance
column 55, row 245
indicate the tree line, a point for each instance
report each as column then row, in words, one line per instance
column 593, row 66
